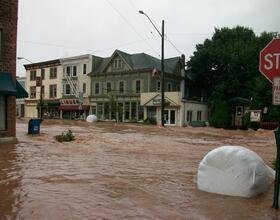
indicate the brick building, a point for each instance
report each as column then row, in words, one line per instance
column 9, row 87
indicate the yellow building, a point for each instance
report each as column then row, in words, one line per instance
column 51, row 73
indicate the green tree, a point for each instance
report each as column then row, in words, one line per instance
column 226, row 66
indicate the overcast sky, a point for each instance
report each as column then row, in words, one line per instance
column 51, row 29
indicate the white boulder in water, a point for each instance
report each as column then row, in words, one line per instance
column 234, row 171
column 91, row 118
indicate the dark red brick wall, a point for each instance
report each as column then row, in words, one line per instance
column 8, row 25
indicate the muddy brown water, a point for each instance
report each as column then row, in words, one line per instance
column 122, row 171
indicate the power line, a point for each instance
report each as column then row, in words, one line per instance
column 130, row 25
column 82, row 49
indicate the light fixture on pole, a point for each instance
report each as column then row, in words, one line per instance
column 162, row 64
column 41, row 88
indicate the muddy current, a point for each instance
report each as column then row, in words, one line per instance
column 122, row 171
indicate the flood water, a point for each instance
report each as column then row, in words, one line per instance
column 122, row 171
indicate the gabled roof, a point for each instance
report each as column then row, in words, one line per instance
column 138, row 61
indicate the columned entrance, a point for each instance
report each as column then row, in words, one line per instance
column 170, row 117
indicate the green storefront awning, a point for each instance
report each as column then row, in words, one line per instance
column 21, row 93
column 9, row 88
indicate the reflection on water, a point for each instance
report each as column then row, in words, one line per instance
column 122, row 171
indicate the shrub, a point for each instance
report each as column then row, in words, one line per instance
column 220, row 117
column 65, row 136
column 150, row 121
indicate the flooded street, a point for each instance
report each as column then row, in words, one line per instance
column 122, row 171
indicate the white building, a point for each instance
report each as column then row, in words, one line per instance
column 75, row 86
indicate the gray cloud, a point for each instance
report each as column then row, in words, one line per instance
column 50, row 29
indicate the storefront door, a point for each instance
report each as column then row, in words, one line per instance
column 170, row 117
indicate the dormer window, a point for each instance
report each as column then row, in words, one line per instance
column 117, row 64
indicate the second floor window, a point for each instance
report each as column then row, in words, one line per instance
column 68, row 70
column 32, row 75
column 109, row 86
column 67, row 89
column 52, row 91
column 43, row 74
column 32, row 92
column 121, row 87
column 53, row 73
column 85, row 69
column 97, row 88
column 138, row 86
column 74, row 73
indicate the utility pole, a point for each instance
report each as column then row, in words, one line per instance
column 162, row 64
column 162, row 74
column 41, row 96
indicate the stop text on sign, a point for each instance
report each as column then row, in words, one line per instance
column 272, row 61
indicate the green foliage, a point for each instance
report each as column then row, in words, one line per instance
column 150, row 121
column 246, row 120
column 65, row 136
column 226, row 66
column 221, row 116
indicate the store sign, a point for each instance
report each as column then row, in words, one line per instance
column 255, row 116
column 276, row 91
column 157, row 102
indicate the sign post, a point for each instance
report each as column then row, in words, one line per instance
column 269, row 66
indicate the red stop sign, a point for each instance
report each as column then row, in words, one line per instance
column 269, row 64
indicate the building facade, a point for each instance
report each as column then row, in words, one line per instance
column 178, row 111
column 43, row 84
column 75, row 86
column 118, row 81
column 20, row 103
column 9, row 87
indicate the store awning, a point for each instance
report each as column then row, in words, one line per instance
column 9, row 88
column 21, row 93
column 73, row 107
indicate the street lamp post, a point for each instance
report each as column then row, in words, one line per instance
column 162, row 64
column 41, row 88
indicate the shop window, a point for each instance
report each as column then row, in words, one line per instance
column 189, row 116
column 152, row 112
column 199, row 113
column 3, row 114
